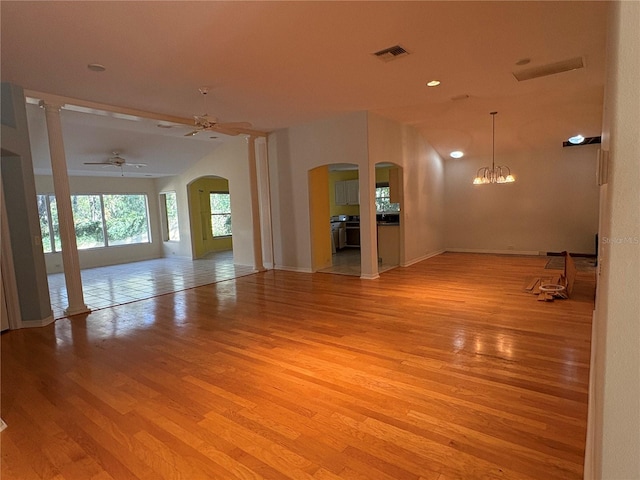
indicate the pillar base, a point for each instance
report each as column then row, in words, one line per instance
column 79, row 310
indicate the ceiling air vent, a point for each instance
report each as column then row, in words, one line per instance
column 550, row 69
column 391, row 53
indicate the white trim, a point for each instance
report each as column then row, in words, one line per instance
column 62, row 100
column 293, row 269
column 8, row 281
column 424, row 257
column 38, row 323
column 494, row 252
column 589, row 456
column 369, row 276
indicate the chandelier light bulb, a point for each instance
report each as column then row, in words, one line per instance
column 493, row 174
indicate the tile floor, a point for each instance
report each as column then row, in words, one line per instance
column 347, row 262
column 115, row 285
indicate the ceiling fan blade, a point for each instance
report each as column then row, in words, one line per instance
column 136, row 165
column 107, row 164
column 191, row 134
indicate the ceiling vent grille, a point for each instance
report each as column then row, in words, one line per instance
column 391, row 53
column 550, row 69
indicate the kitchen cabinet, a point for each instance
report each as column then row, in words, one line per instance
column 389, row 244
column 347, row 192
column 394, row 185
column 353, row 234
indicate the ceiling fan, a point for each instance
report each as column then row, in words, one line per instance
column 207, row 122
column 117, row 161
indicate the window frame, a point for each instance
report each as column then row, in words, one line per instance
column 53, row 244
column 226, row 214
column 165, row 220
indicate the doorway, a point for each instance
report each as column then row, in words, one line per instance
column 210, row 216
column 335, row 219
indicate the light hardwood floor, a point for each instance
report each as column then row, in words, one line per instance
column 442, row 370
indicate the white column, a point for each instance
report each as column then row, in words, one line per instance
column 255, row 206
column 264, row 190
column 70, row 260
column 368, row 224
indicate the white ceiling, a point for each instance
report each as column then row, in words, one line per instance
column 277, row 64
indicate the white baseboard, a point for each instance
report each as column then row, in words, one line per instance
column 293, row 269
column 38, row 323
column 589, row 449
column 494, row 252
column 424, row 257
column 369, row 276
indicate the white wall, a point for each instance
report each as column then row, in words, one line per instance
column 292, row 153
column 423, row 178
column 363, row 139
column 117, row 254
column 552, row 206
column 230, row 161
column 613, row 446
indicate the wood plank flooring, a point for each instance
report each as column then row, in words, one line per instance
column 442, row 370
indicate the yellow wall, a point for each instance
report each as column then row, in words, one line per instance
column 339, row 176
column 200, row 213
column 319, row 218
column 382, row 174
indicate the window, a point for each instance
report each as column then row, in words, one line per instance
column 169, row 208
column 87, row 215
column 46, row 225
column 382, row 200
column 220, row 214
column 124, row 218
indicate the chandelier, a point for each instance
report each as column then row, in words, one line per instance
column 493, row 174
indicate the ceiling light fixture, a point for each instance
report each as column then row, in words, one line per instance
column 456, row 154
column 579, row 140
column 493, row 174
column 96, row 67
column 433, row 83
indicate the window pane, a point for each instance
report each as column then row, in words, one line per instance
column 43, row 214
column 87, row 217
column 53, row 205
column 221, row 225
column 220, row 203
column 220, row 214
column 126, row 219
column 171, row 206
column 382, row 201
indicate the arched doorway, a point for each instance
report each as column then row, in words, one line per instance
column 388, row 200
column 210, row 218
column 334, row 211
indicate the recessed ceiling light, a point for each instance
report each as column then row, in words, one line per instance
column 456, row 154
column 96, row 67
column 433, row 83
column 523, row 61
column 576, row 140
